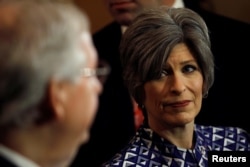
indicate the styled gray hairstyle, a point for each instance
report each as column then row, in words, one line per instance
column 148, row 41
column 39, row 40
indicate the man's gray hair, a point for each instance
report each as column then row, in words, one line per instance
column 39, row 40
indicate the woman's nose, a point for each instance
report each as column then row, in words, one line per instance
column 177, row 84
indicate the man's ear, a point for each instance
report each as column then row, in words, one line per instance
column 58, row 97
column 52, row 106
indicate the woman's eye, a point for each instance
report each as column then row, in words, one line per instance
column 189, row 68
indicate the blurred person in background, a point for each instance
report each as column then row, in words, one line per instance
column 48, row 84
column 117, row 109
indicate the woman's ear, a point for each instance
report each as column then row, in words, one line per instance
column 140, row 95
column 204, row 90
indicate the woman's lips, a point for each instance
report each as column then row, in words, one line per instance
column 183, row 103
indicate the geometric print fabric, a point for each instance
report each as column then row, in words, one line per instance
column 147, row 149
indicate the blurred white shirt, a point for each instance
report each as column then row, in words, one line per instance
column 16, row 158
column 177, row 4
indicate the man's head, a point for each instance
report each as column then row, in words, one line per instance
column 45, row 51
column 124, row 11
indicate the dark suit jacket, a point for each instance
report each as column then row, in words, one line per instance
column 225, row 104
column 5, row 163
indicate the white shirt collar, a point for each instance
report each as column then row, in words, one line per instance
column 123, row 29
column 178, row 4
column 16, row 158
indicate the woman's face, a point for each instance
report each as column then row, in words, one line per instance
column 174, row 99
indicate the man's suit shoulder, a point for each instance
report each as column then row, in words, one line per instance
column 107, row 31
column 107, row 41
column 5, row 163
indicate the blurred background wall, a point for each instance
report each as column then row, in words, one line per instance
column 236, row 9
column 96, row 11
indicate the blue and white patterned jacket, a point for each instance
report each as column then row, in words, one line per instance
column 149, row 149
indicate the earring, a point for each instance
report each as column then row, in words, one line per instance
column 205, row 95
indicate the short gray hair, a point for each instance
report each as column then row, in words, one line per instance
column 148, row 41
column 39, row 40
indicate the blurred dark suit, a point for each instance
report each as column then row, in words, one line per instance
column 226, row 103
column 5, row 163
